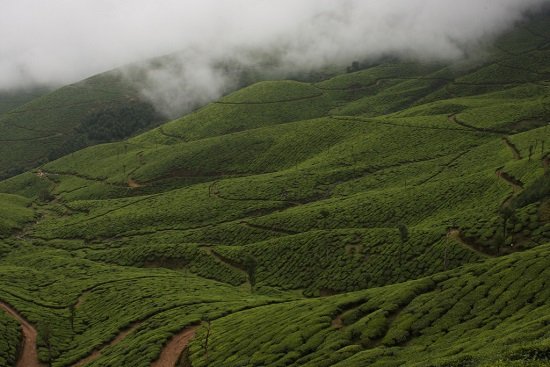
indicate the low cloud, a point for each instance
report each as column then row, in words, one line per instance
column 58, row 42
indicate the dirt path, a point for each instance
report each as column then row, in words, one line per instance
column 444, row 167
column 337, row 322
column 233, row 264
column 513, row 148
column 133, row 184
column 375, row 82
column 516, row 184
column 456, row 235
column 172, row 351
column 97, row 352
column 286, row 232
column 214, row 191
column 109, row 211
column 28, row 356
column 87, row 291
column 169, row 135
column 56, row 135
column 272, row 102
column 452, row 118
column 421, row 127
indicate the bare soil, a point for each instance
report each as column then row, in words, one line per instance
column 175, row 347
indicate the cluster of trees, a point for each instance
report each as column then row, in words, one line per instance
column 117, row 122
column 112, row 123
column 75, row 143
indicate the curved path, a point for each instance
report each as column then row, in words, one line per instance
column 516, row 184
column 28, row 356
column 456, row 235
column 172, row 351
column 287, row 232
column 375, row 82
column 452, row 118
column 444, row 167
column 374, row 121
column 512, row 147
column 297, row 99
column 86, row 292
column 98, row 351
column 231, row 263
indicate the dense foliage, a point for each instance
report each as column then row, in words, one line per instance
column 118, row 121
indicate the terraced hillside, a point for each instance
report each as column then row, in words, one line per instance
column 396, row 215
column 62, row 121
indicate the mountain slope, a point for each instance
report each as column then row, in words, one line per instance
column 57, row 123
column 478, row 314
column 396, row 215
column 9, row 100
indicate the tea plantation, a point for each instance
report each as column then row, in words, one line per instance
column 397, row 215
column 36, row 130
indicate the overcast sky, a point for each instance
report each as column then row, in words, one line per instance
column 60, row 41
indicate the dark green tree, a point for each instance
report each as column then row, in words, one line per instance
column 45, row 332
column 507, row 214
column 250, row 265
column 205, row 320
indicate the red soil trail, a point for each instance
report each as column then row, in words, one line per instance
column 175, row 347
column 28, row 356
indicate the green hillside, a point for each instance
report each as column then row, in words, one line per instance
column 101, row 108
column 9, row 99
column 397, row 215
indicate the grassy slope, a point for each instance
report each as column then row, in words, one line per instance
column 458, row 318
column 9, row 100
column 300, row 190
column 45, row 126
column 15, row 212
column 10, row 334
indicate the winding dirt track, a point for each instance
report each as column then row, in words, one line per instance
column 175, row 347
column 28, row 356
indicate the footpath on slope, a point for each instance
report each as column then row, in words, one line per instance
column 28, row 355
column 516, row 184
column 512, row 147
column 98, row 351
column 456, row 235
column 452, row 118
column 172, row 351
column 233, row 264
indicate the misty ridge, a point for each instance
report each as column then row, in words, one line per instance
column 216, row 47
